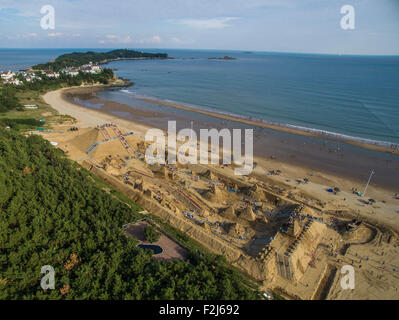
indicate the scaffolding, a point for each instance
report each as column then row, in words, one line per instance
column 122, row 140
column 105, row 133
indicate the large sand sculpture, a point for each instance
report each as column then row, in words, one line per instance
column 270, row 231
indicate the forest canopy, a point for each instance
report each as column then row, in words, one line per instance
column 151, row 234
column 8, row 100
column 77, row 59
column 54, row 212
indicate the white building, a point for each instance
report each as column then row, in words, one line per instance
column 16, row 82
column 96, row 68
column 52, row 74
column 7, row 75
column 13, row 81
column 73, row 73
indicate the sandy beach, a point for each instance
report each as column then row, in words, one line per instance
column 88, row 117
column 292, row 130
column 244, row 214
column 326, row 155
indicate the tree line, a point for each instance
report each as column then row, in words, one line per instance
column 77, row 59
column 8, row 99
column 49, row 83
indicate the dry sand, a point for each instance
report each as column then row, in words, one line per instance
column 385, row 211
column 87, row 117
column 377, row 278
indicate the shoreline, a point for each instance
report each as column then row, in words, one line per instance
column 386, row 212
column 374, row 145
column 103, row 62
column 85, row 116
column 284, row 128
column 93, row 117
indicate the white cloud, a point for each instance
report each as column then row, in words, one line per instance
column 156, row 39
column 176, row 40
column 153, row 39
column 111, row 38
column 76, row 35
column 22, row 36
column 214, row 23
column 54, row 34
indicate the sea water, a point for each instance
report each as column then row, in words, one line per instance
column 353, row 96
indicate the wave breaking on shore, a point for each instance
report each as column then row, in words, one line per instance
column 391, row 146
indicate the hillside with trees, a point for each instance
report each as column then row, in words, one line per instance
column 77, row 59
column 54, row 212
column 9, row 93
column 8, row 99
column 48, row 84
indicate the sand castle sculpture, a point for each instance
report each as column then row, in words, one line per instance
column 271, row 236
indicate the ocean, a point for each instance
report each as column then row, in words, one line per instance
column 17, row 59
column 344, row 95
column 355, row 96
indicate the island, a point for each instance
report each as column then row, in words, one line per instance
column 77, row 59
column 223, row 58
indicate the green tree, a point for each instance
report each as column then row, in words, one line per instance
column 151, row 234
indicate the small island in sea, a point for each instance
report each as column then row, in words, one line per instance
column 222, row 58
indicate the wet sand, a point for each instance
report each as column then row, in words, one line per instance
column 312, row 152
column 89, row 94
column 269, row 125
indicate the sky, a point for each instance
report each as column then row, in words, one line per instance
column 303, row 26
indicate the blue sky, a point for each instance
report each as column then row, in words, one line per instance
column 308, row 26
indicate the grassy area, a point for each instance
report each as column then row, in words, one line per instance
column 45, row 111
column 13, row 98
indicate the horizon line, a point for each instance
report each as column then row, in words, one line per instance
column 208, row 49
